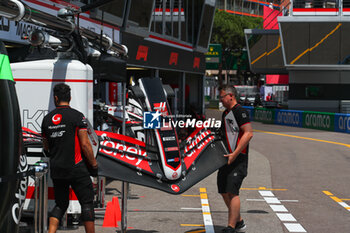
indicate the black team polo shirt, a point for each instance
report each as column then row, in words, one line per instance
column 60, row 127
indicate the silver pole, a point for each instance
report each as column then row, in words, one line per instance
column 183, row 92
column 125, row 185
column 16, row 10
column 101, row 191
column 41, row 194
column 45, row 202
column 163, row 17
column 36, row 205
column 179, row 20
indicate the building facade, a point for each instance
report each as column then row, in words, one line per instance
column 253, row 8
column 165, row 38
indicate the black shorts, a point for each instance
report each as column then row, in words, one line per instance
column 230, row 177
column 82, row 187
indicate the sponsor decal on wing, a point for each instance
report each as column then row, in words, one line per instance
column 30, row 136
column 175, row 188
column 173, row 160
column 174, row 148
column 131, row 152
column 171, row 138
column 196, row 144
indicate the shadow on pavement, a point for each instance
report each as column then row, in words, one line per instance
column 218, row 228
column 257, row 212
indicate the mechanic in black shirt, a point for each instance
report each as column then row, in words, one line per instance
column 237, row 132
column 66, row 140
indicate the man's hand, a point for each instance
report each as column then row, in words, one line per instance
column 93, row 171
column 231, row 157
column 243, row 143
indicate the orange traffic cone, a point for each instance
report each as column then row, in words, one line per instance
column 118, row 214
column 110, row 216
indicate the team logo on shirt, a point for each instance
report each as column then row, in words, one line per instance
column 56, row 119
column 84, row 121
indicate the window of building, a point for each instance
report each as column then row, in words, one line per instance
column 112, row 12
column 194, row 9
column 140, row 14
column 206, row 24
column 178, row 19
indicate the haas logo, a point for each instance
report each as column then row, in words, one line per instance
column 161, row 107
column 56, row 119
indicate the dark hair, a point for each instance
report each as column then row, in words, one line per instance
column 229, row 89
column 62, row 91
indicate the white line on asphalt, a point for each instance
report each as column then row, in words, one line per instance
column 286, row 217
column 278, row 208
column 266, row 193
column 205, row 201
column 279, row 200
column 273, row 200
column 208, row 222
column 338, row 200
column 294, row 227
column 270, row 198
column 343, row 204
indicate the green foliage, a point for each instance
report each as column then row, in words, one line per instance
column 228, row 30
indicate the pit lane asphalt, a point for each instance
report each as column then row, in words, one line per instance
column 295, row 170
column 151, row 210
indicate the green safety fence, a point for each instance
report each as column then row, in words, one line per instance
column 305, row 119
column 318, row 120
column 264, row 115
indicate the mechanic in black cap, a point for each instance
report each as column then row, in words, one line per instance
column 65, row 137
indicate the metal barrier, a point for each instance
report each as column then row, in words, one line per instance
column 101, row 191
column 41, row 196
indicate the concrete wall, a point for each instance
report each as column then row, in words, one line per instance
column 330, row 87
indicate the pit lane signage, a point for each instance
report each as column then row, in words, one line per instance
column 318, row 120
column 164, row 55
column 264, row 115
column 289, row 118
column 213, row 56
column 342, row 123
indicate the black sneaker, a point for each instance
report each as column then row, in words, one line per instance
column 229, row 229
column 240, row 226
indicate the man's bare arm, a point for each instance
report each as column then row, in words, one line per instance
column 87, row 148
